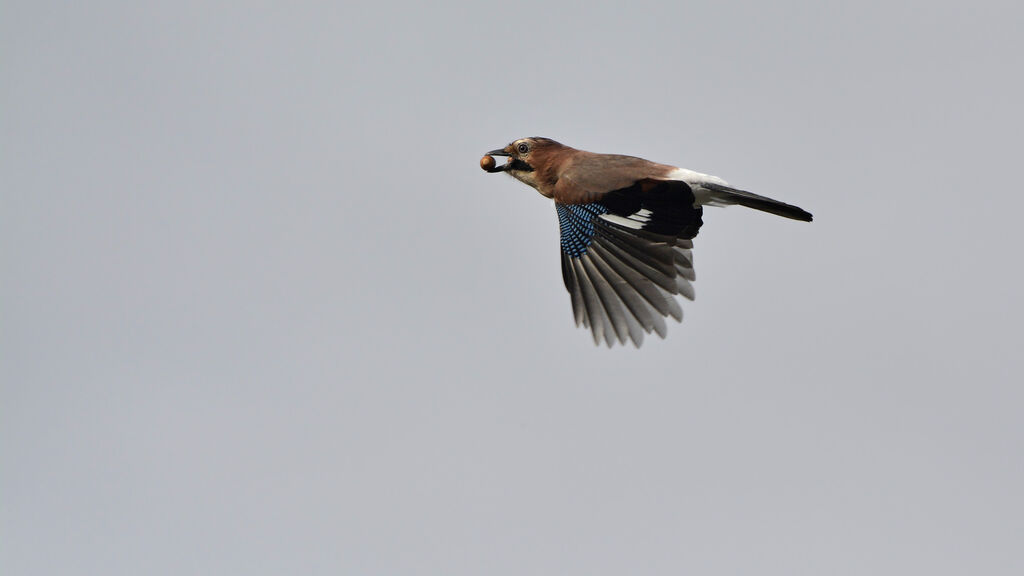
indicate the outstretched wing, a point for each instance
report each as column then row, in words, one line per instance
column 627, row 256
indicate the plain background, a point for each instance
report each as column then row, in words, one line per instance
column 262, row 313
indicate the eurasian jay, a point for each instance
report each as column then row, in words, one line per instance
column 627, row 228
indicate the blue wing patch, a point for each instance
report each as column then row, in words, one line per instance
column 576, row 222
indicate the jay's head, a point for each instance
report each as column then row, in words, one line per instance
column 529, row 158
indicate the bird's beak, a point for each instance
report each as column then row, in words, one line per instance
column 487, row 163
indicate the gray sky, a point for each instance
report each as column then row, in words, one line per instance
column 262, row 313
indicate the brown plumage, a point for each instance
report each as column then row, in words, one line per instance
column 627, row 226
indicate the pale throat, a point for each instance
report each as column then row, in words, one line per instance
column 529, row 178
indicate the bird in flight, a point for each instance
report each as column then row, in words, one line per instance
column 627, row 228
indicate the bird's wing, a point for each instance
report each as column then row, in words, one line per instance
column 626, row 256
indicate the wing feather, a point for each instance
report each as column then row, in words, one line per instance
column 627, row 259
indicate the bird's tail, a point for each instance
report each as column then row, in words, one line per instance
column 725, row 195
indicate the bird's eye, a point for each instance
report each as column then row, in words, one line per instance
column 523, row 148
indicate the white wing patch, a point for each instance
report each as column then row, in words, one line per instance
column 637, row 220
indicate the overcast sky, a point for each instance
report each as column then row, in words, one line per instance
column 262, row 313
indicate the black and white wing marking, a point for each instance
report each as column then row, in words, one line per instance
column 627, row 257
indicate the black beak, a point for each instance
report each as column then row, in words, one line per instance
column 498, row 152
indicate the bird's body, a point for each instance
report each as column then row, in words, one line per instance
column 627, row 226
